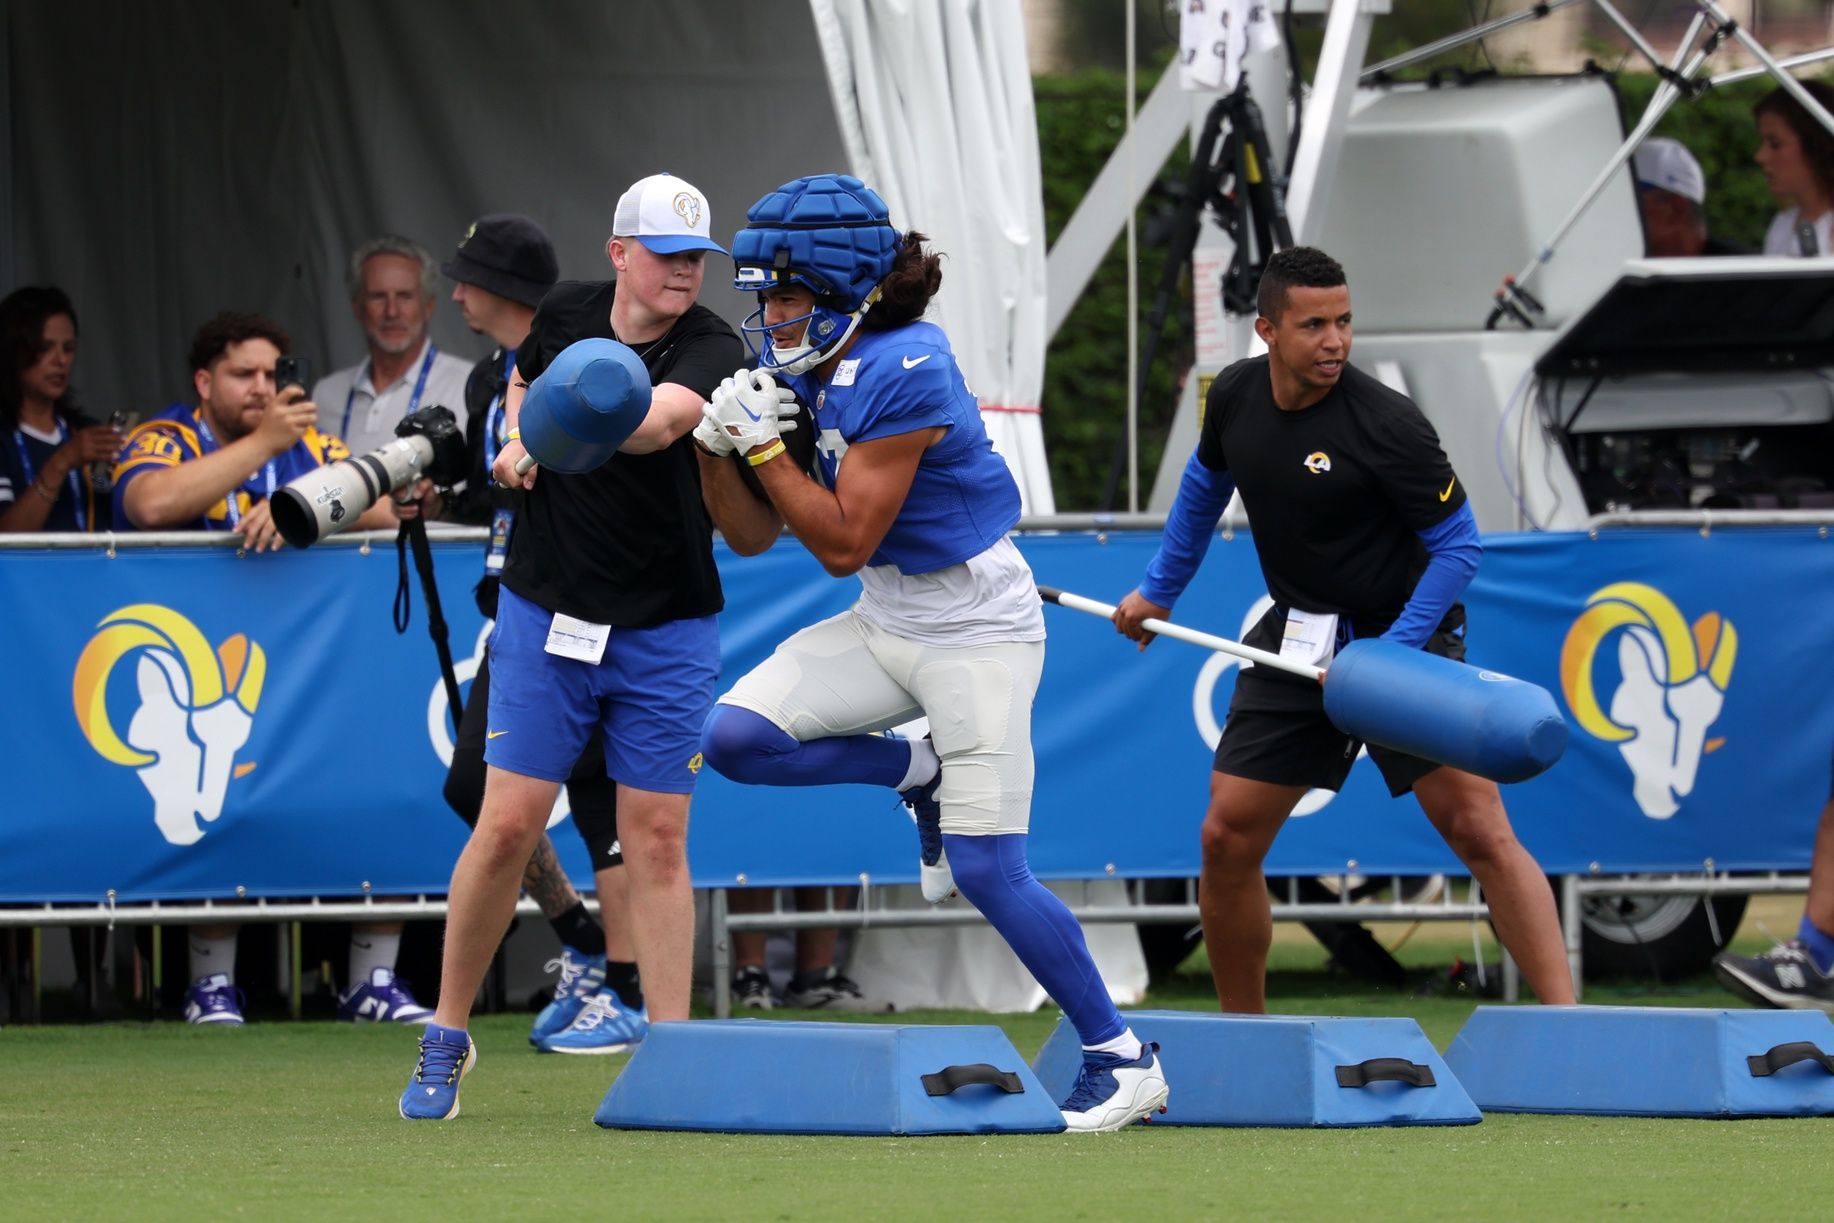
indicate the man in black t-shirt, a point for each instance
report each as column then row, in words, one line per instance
column 606, row 628
column 1362, row 530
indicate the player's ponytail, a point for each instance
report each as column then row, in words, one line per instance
column 906, row 290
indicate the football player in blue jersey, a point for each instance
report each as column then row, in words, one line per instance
column 913, row 499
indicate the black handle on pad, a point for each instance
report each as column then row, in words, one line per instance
column 951, row 1078
column 1765, row 1064
column 1386, row 1070
column 1049, row 593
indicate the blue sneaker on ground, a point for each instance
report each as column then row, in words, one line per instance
column 605, row 1026
column 581, row 978
column 214, row 1000
column 446, row 1057
column 933, row 873
column 1113, row 1091
column 381, row 999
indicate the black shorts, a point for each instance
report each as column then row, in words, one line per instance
column 1277, row 731
column 592, row 794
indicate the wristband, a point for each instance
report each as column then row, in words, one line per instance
column 514, row 435
column 767, row 454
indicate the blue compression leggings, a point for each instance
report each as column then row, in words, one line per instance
column 991, row 871
column 748, row 747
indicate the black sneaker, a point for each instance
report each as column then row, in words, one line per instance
column 751, row 987
column 828, row 990
column 1785, row 976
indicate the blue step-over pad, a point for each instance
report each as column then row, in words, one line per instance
column 1647, row 1061
column 1284, row 1070
column 759, row 1075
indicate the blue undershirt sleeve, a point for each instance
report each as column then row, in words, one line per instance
column 1203, row 494
column 1453, row 550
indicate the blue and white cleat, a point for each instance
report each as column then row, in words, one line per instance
column 1112, row 1091
column 933, row 873
column 605, row 1026
column 381, row 999
column 214, row 1000
column 446, row 1057
column 581, row 978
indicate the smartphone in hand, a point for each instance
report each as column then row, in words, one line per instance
column 292, row 371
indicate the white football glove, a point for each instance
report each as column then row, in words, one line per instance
column 749, row 408
column 709, row 434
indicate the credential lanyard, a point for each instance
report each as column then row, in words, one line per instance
column 231, row 511
column 420, row 384
column 31, row 473
column 503, row 518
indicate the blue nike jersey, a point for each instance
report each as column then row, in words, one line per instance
column 963, row 498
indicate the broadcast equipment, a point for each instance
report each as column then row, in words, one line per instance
column 328, row 499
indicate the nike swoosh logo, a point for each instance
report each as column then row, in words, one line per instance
column 492, row 734
column 914, row 362
column 1448, row 493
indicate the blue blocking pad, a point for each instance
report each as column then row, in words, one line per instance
column 761, row 1076
column 1647, row 1061
column 1284, row 1070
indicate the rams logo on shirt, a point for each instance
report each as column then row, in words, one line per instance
column 1318, row 462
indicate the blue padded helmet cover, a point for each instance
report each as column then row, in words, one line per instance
column 829, row 232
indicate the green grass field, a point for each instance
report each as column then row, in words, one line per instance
column 297, row 1120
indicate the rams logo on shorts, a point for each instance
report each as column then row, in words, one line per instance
column 1672, row 681
column 695, row 762
column 1318, row 462
column 192, row 712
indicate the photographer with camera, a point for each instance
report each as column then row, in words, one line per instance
column 188, row 469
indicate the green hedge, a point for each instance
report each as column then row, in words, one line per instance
column 1080, row 122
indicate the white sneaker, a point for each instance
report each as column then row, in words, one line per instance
column 1112, row 1091
column 933, row 873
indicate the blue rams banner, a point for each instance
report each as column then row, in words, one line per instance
column 186, row 721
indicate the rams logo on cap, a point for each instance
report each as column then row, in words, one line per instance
column 469, row 231
column 1318, row 462
column 687, row 207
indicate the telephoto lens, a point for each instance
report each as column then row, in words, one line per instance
column 328, row 499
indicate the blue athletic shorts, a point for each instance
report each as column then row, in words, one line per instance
column 648, row 696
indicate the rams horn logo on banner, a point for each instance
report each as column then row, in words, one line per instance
column 1674, row 683
column 1318, row 462
column 196, row 706
column 687, row 207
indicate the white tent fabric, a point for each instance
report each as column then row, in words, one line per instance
column 934, row 102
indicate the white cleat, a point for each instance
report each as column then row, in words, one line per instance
column 1112, row 1092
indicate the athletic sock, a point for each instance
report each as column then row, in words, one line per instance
column 1126, row 1046
column 210, row 956
column 1819, row 942
column 370, row 950
column 991, row 872
column 576, row 928
column 748, row 747
column 623, row 978
column 925, row 765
